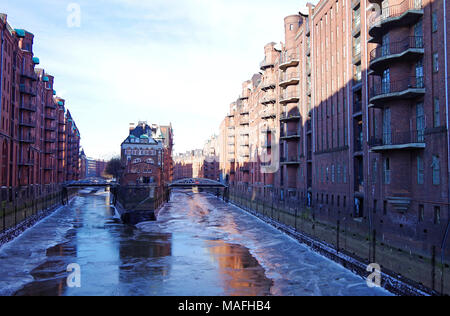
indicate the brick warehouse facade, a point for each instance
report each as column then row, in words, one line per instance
column 39, row 140
column 200, row 163
column 347, row 121
column 146, row 155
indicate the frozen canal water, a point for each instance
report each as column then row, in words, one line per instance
column 200, row 246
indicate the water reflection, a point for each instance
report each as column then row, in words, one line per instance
column 199, row 246
column 239, row 271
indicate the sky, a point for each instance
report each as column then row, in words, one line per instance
column 118, row 62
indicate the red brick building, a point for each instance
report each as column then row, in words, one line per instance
column 145, row 156
column 39, row 142
column 349, row 116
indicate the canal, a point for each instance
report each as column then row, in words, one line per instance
column 200, row 246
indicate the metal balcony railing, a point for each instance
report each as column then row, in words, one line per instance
column 290, row 159
column 27, row 122
column 412, row 42
column 398, row 138
column 398, row 86
column 266, row 64
column 291, row 115
column 288, row 77
column 395, row 10
column 268, row 98
column 284, row 134
column 27, row 90
column 29, row 74
column 27, row 138
column 25, row 162
column 28, row 107
column 289, row 96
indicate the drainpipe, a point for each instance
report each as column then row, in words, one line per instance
column 448, row 136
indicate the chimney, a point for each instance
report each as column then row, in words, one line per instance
column 132, row 126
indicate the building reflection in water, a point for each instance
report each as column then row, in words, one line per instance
column 144, row 256
column 240, row 272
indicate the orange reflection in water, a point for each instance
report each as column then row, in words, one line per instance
column 240, row 272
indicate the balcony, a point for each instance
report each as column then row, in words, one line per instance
column 268, row 84
column 27, row 139
column 265, row 64
column 27, row 123
column 244, row 111
column 293, row 135
column 51, row 106
column 412, row 140
column 268, row 114
column 356, row 59
column 28, row 74
column 289, row 79
column 27, row 90
column 308, row 50
column 408, row 88
column 270, row 98
column 24, row 162
column 50, row 140
column 292, row 97
column 50, row 127
column 242, row 98
column 356, row 28
column 308, row 68
column 28, row 107
column 403, row 14
column 244, row 132
column 357, row 107
column 244, row 121
column 50, row 116
column 292, row 160
column 289, row 61
column 409, row 49
column 293, row 116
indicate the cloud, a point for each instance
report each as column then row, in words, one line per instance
column 178, row 61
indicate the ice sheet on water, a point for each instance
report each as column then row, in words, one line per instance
column 294, row 268
column 19, row 257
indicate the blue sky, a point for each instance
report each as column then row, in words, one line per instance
column 163, row 61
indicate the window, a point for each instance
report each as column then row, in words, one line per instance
column 333, row 174
column 345, row 174
column 387, row 171
column 420, row 122
column 374, row 171
column 420, row 171
column 437, row 118
column 421, row 213
column 436, row 167
column 386, row 82
column 339, row 179
column 437, row 215
column 435, row 62
column 434, row 22
column 419, row 74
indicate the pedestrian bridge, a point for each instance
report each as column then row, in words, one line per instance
column 89, row 183
column 197, row 183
